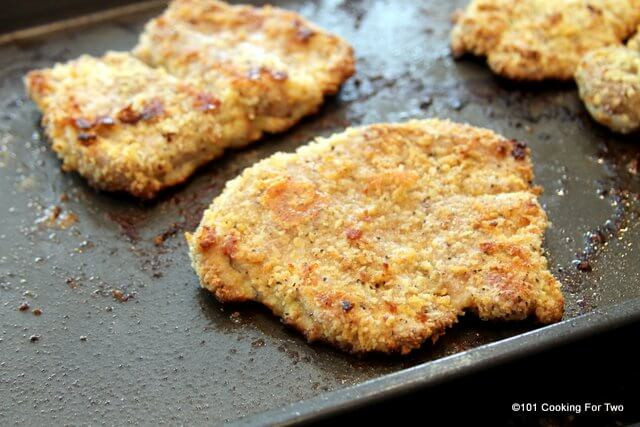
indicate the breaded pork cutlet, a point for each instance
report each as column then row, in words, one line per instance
column 609, row 83
column 276, row 64
column 541, row 39
column 125, row 126
column 378, row 238
column 216, row 76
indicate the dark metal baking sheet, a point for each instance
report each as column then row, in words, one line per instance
column 171, row 353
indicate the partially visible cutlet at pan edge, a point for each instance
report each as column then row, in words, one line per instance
column 378, row 238
column 608, row 81
column 541, row 39
column 135, row 127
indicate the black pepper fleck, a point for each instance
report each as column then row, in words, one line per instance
column 279, row 75
column 82, row 123
column 519, row 151
column 153, row 109
column 87, row 138
column 426, row 102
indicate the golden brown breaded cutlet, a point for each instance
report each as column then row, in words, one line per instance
column 125, row 126
column 276, row 64
column 217, row 76
column 609, row 84
column 541, row 39
column 378, row 238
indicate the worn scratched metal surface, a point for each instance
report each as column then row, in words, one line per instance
column 171, row 353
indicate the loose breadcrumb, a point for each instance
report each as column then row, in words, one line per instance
column 378, row 238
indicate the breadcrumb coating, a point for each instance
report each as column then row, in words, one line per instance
column 634, row 42
column 216, row 76
column 378, row 238
column 609, row 84
column 276, row 64
column 125, row 126
column 541, row 39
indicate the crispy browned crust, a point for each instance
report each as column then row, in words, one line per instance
column 125, row 126
column 541, row 39
column 634, row 42
column 378, row 238
column 278, row 65
column 609, row 83
column 223, row 75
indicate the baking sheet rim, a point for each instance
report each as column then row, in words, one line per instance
column 450, row 367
